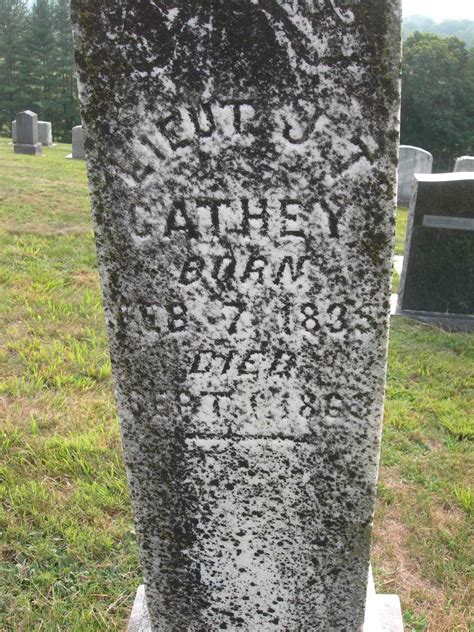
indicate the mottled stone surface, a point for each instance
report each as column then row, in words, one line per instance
column 27, row 134
column 78, row 151
column 465, row 163
column 45, row 133
column 438, row 268
column 383, row 613
column 14, row 137
column 242, row 159
column 412, row 160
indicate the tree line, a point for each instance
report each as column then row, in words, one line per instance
column 37, row 73
column 37, row 65
column 438, row 97
column 462, row 29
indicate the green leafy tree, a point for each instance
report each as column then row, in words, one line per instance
column 14, row 26
column 463, row 29
column 438, row 97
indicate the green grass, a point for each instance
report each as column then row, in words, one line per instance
column 401, row 230
column 69, row 558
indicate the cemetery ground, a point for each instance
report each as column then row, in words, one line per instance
column 69, row 558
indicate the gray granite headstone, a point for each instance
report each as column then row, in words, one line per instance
column 14, row 137
column 437, row 282
column 27, row 134
column 78, row 143
column 45, row 133
column 465, row 163
column 412, row 160
column 242, row 159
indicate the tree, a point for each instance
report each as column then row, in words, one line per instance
column 66, row 100
column 14, row 26
column 463, row 29
column 40, row 46
column 437, row 97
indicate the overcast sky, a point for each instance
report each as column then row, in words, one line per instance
column 440, row 9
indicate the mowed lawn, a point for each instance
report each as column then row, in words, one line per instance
column 69, row 558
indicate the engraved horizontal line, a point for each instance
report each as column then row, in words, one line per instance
column 309, row 439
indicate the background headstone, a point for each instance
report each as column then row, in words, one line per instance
column 27, row 134
column 45, row 133
column 465, row 163
column 78, row 143
column 437, row 280
column 242, row 164
column 411, row 160
column 14, row 137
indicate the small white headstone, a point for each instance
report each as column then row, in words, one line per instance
column 78, row 143
column 45, row 133
column 412, row 160
column 464, row 163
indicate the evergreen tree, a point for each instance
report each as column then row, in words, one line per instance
column 41, row 50
column 66, row 100
column 14, row 25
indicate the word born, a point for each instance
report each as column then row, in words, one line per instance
column 226, row 269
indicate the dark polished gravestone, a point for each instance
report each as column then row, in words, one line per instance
column 26, row 129
column 242, row 161
column 437, row 282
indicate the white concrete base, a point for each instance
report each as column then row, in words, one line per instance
column 139, row 621
column 398, row 263
column 383, row 612
column 393, row 304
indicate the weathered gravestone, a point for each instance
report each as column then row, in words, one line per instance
column 14, row 136
column 242, row 165
column 45, row 133
column 27, row 134
column 78, row 143
column 412, row 160
column 437, row 282
column 465, row 163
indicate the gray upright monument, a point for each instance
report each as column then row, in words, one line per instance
column 242, row 159
column 412, row 160
column 27, row 134
column 78, row 143
column 14, row 137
